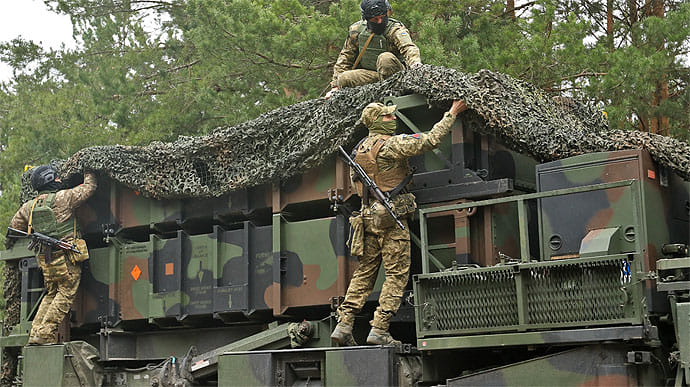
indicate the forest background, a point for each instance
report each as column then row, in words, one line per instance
column 211, row 63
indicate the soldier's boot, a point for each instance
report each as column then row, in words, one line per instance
column 342, row 334
column 35, row 340
column 381, row 337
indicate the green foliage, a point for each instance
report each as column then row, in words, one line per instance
column 148, row 71
column 258, row 55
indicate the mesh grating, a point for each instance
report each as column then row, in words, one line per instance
column 578, row 292
column 474, row 300
column 553, row 295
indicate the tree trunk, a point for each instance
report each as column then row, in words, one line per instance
column 663, row 120
column 609, row 24
column 632, row 9
column 658, row 123
column 632, row 20
column 510, row 9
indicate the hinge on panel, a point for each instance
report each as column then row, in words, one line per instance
column 335, row 196
column 283, row 263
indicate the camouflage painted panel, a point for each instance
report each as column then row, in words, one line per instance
column 612, row 208
column 227, row 272
column 313, row 266
column 246, row 370
column 586, row 366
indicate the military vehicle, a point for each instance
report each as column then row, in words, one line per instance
column 570, row 272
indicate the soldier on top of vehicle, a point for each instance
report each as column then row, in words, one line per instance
column 376, row 48
column 376, row 237
column 52, row 213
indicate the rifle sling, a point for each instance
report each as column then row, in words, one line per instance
column 353, row 154
column 398, row 188
column 359, row 57
column 31, row 216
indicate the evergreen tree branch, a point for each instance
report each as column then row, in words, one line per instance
column 173, row 70
column 583, row 74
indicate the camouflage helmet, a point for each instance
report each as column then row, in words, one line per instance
column 375, row 110
column 372, row 8
column 42, row 176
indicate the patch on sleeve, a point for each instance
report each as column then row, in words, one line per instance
column 404, row 37
column 416, row 135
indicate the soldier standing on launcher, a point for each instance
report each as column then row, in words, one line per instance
column 384, row 158
column 376, row 48
column 52, row 214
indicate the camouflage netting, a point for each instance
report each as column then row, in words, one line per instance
column 288, row 140
column 12, row 292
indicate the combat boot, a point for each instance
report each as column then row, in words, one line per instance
column 381, row 337
column 35, row 340
column 342, row 334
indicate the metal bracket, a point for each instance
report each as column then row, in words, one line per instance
column 335, row 196
column 639, row 357
column 648, row 275
column 109, row 230
column 336, row 301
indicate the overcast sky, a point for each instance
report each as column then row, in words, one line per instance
column 32, row 20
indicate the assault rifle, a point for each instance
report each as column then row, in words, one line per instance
column 38, row 240
column 371, row 186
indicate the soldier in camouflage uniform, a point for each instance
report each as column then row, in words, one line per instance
column 390, row 48
column 52, row 213
column 384, row 158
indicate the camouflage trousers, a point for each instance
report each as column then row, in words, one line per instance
column 392, row 248
column 61, row 288
column 387, row 64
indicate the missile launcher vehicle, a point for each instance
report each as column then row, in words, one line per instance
column 568, row 272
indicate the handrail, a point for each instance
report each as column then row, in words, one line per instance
column 522, row 213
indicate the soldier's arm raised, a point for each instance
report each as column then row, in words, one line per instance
column 406, row 145
column 82, row 192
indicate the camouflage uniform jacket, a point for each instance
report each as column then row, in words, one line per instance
column 394, row 154
column 66, row 201
column 397, row 35
column 398, row 149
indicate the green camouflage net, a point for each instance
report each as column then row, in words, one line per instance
column 289, row 140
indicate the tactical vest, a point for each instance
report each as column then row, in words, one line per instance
column 378, row 45
column 45, row 222
column 366, row 155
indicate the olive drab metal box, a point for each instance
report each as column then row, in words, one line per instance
column 598, row 223
column 61, row 365
column 599, row 237
column 663, row 195
column 345, row 366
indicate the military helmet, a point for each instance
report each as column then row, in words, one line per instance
column 371, row 8
column 375, row 110
column 43, row 176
